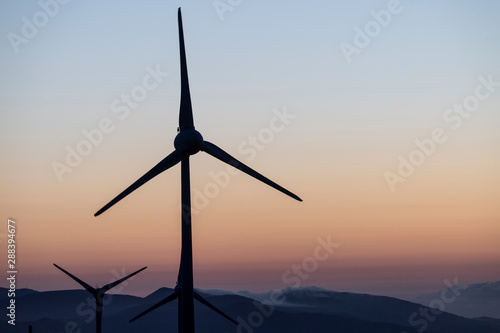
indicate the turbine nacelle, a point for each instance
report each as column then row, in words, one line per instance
column 189, row 141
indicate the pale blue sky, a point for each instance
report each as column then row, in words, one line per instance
column 267, row 52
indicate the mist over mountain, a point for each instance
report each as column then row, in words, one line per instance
column 473, row 301
column 306, row 309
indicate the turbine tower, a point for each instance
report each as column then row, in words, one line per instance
column 188, row 142
column 99, row 293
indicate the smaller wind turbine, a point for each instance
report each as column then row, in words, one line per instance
column 98, row 293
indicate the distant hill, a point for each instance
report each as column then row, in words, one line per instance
column 307, row 309
column 476, row 300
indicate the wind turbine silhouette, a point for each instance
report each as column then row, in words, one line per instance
column 188, row 142
column 98, row 293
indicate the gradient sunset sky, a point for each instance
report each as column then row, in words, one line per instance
column 352, row 119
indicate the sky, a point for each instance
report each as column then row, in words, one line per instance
column 383, row 116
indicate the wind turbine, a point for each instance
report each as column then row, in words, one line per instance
column 188, row 142
column 99, row 293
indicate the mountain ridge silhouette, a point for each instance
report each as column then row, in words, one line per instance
column 304, row 309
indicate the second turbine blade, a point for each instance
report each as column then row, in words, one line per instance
column 157, row 305
column 200, row 299
column 165, row 164
column 220, row 154
column 114, row 284
column 83, row 284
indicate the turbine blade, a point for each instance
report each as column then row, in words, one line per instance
column 186, row 111
column 165, row 164
column 157, row 305
column 220, row 154
column 83, row 284
column 114, row 284
column 200, row 299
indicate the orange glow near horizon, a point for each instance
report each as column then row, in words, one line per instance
column 238, row 233
column 342, row 126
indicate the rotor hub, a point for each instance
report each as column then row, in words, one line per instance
column 189, row 141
